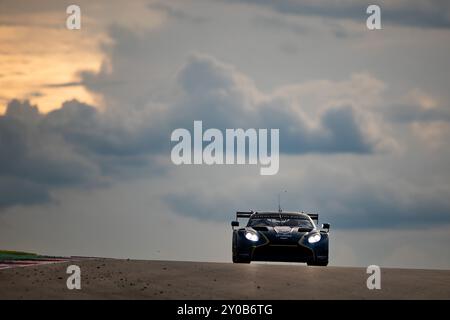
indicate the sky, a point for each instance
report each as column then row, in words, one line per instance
column 86, row 117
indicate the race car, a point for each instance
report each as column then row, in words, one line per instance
column 280, row 236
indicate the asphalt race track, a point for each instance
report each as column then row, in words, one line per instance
column 137, row 279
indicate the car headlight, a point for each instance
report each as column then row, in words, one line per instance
column 251, row 235
column 314, row 238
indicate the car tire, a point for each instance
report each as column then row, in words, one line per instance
column 318, row 263
column 240, row 260
column 235, row 254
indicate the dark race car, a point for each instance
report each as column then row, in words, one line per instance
column 280, row 236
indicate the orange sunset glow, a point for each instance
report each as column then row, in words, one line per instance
column 37, row 66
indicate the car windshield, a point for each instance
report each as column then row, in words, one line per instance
column 274, row 222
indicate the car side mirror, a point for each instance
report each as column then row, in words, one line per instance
column 235, row 223
column 326, row 227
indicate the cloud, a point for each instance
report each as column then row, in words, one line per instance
column 176, row 13
column 18, row 191
column 309, row 27
column 77, row 145
column 418, row 106
column 315, row 116
column 64, row 84
column 71, row 146
column 407, row 113
column 31, row 150
column 433, row 14
column 223, row 97
column 281, row 24
column 425, row 116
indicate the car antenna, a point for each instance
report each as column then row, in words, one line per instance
column 279, row 203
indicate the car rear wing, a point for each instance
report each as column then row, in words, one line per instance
column 314, row 217
column 248, row 214
column 244, row 214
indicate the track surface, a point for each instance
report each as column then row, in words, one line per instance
column 125, row 279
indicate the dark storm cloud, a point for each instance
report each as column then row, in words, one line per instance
column 101, row 134
column 217, row 94
column 30, row 151
column 429, row 14
column 77, row 145
column 222, row 97
column 339, row 132
column 16, row 191
column 71, row 146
